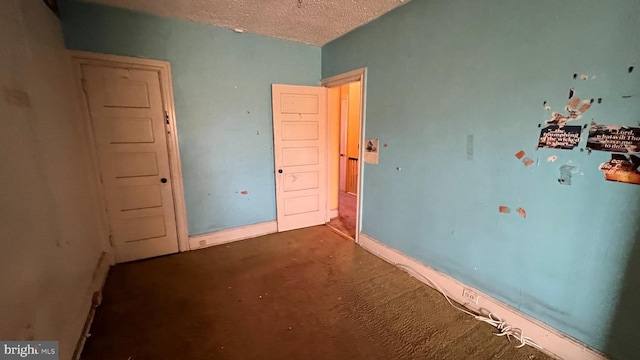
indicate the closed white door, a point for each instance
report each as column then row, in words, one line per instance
column 128, row 125
column 300, row 148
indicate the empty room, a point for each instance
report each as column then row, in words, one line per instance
column 319, row 179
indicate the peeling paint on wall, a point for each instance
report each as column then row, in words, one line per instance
column 565, row 174
column 574, row 113
column 552, row 158
column 528, row 161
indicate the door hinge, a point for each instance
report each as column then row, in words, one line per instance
column 166, row 117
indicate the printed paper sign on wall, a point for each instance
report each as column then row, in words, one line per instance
column 622, row 169
column 560, row 137
column 614, row 138
column 371, row 151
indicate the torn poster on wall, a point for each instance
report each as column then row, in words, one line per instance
column 560, row 137
column 622, row 169
column 371, row 151
column 614, row 138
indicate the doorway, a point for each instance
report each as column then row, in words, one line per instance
column 346, row 120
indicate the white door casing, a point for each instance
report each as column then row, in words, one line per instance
column 129, row 130
column 300, row 153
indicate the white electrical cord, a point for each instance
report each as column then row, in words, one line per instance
column 492, row 319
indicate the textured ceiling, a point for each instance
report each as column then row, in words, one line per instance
column 314, row 22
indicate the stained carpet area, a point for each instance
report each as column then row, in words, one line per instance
column 303, row 294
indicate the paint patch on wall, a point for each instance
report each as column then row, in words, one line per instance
column 245, row 192
column 614, row 138
column 522, row 212
column 528, row 161
column 520, row 154
column 503, row 209
column 560, row 137
column 622, row 168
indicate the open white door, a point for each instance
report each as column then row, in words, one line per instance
column 128, row 125
column 300, row 146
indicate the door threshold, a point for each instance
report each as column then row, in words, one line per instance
column 340, row 232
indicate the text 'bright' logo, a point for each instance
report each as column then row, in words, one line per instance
column 28, row 349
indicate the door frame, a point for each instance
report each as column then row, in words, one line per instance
column 163, row 68
column 339, row 80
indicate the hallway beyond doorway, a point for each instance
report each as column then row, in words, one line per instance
column 346, row 220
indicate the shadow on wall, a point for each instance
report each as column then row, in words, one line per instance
column 623, row 341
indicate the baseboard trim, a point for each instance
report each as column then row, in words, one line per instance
column 95, row 289
column 233, row 234
column 554, row 343
column 333, row 213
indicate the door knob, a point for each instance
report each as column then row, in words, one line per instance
column 163, row 180
column 279, row 171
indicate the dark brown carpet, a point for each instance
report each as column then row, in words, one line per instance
column 304, row 294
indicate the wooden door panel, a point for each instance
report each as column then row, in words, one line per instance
column 300, row 146
column 127, row 117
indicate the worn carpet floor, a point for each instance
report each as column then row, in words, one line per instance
column 304, row 294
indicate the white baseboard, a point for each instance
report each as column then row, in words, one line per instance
column 333, row 213
column 554, row 343
column 94, row 293
column 233, row 234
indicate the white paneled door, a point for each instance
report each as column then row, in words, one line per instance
column 300, row 147
column 128, row 125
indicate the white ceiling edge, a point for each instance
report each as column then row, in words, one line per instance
column 313, row 22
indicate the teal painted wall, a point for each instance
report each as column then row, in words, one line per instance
column 222, row 89
column 439, row 71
